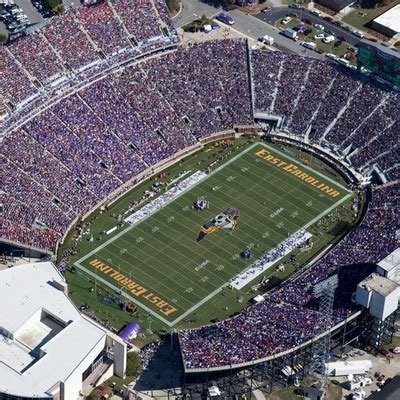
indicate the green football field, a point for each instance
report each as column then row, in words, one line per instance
column 160, row 264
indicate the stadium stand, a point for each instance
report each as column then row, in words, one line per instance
column 59, row 163
column 104, row 28
column 37, row 57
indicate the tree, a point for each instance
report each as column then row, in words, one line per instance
column 53, row 4
column 173, row 6
column 3, row 38
column 132, row 363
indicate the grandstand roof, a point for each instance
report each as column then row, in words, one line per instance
column 390, row 19
column 379, row 284
column 43, row 337
column 391, row 261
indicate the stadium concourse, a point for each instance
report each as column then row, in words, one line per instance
column 101, row 95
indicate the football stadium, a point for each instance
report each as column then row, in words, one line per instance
column 232, row 206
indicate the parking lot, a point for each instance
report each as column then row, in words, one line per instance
column 336, row 27
column 17, row 15
column 318, row 38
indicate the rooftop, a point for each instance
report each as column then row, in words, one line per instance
column 379, row 284
column 391, row 261
column 43, row 336
column 390, row 18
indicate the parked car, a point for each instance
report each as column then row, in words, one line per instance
column 359, row 34
column 385, row 352
column 332, row 56
column 315, row 12
column 328, row 39
column 319, row 36
column 286, row 20
column 266, row 9
column 299, row 27
column 328, row 18
column 320, row 27
column 308, row 21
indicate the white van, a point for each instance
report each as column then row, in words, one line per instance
column 267, row 40
column 343, row 61
column 315, row 12
column 310, row 45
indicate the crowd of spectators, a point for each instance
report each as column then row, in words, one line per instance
column 266, row 71
column 292, row 79
column 207, row 85
column 14, row 82
column 329, row 105
column 361, row 105
column 289, row 317
column 63, row 144
column 321, row 76
column 148, row 352
column 111, row 106
column 140, row 19
column 103, row 27
column 65, row 35
column 37, row 57
column 98, row 137
column 80, row 43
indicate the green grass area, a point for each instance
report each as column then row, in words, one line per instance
column 337, row 47
column 395, row 343
column 290, row 2
column 84, row 289
column 164, row 266
column 360, row 17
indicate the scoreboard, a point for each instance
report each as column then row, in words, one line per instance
column 379, row 60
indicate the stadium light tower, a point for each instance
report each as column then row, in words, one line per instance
column 325, row 291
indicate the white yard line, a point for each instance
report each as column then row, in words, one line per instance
column 217, row 290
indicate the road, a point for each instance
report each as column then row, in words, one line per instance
column 278, row 13
column 192, row 9
column 255, row 28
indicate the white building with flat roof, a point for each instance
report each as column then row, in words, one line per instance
column 379, row 295
column 48, row 349
column 389, row 267
column 388, row 23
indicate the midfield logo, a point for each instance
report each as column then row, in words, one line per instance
column 228, row 219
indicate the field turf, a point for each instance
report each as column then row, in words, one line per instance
column 170, row 274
